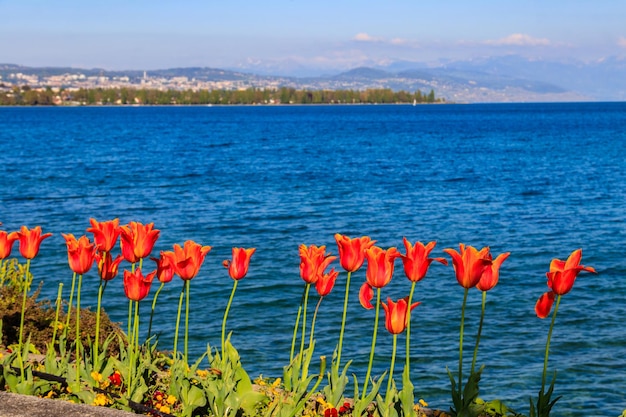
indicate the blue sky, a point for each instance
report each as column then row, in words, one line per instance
column 321, row 34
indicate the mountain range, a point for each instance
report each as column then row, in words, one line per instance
column 494, row 79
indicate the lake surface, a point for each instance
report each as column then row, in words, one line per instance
column 538, row 180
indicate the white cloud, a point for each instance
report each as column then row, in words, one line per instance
column 364, row 37
column 621, row 42
column 519, row 39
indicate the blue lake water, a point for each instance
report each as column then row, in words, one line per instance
column 538, row 180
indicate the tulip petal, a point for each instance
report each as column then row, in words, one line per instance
column 366, row 294
column 544, row 304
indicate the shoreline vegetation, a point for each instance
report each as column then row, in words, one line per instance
column 27, row 96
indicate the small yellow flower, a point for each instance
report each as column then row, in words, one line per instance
column 96, row 376
column 423, row 403
column 100, row 400
column 60, row 325
column 159, row 397
column 165, row 409
column 202, row 373
column 1, row 355
column 171, row 400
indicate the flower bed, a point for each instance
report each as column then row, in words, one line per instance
column 119, row 370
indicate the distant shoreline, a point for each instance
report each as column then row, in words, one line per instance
column 26, row 95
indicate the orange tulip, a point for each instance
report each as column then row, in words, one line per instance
column 490, row 276
column 416, row 260
column 563, row 273
column 107, row 266
column 326, row 282
column 380, row 265
column 136, row 286
column 30, row 240
column 189, row 258
column 352, row 251
column 80, row 253
column 137, row 240
column 396, row 315
column 313, row 261
column 166, row 266
column 469, row 264
column 238, row 267
column 105, row 234
column 6, row 243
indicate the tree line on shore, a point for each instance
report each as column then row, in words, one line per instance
column 24, row 95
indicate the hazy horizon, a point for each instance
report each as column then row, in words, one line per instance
column 287, row 36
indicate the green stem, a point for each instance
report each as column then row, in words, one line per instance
column 69, row 306
column 56, row 314
column 408, row 326
column 313, row 322
column 369, row 366
column 154, row 300
column 545, row 361
column 343, row 319
column 77, row 341
column 461, row 342
column 136, row 327
column 130, row 316
column 480, row 330
column 295, row 332
column 304, row 308
column 180, row 307
column 21, row 338
column 133, row 347
column 187, row 285
column 230, row 301
column 96, row 345
column 393, row 363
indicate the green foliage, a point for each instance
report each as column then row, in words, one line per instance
column 361, row 405
column 544, row 402
column 283, row 95
column 334, row 391
column 13, row 274
column 464, row 402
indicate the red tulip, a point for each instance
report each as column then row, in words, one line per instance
column 105, row 234
column 313, row 261
column 366, row 294
column 469, row 264
column 6, row 243
column 107, row 266
column 561, row 279
column 189, row 258
column 352, row 251
column 30, row 240
column 396, row 315
column 137, row 240
column 490, row 276
column 416, row 260
column 136, row 286
column 326, row 282
column 80, row 253
column 238, row 267
column 166, row 266
column 563, row 273
column 380, row 265
column 544, row 304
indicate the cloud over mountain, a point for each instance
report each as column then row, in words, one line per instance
column 519, row 39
